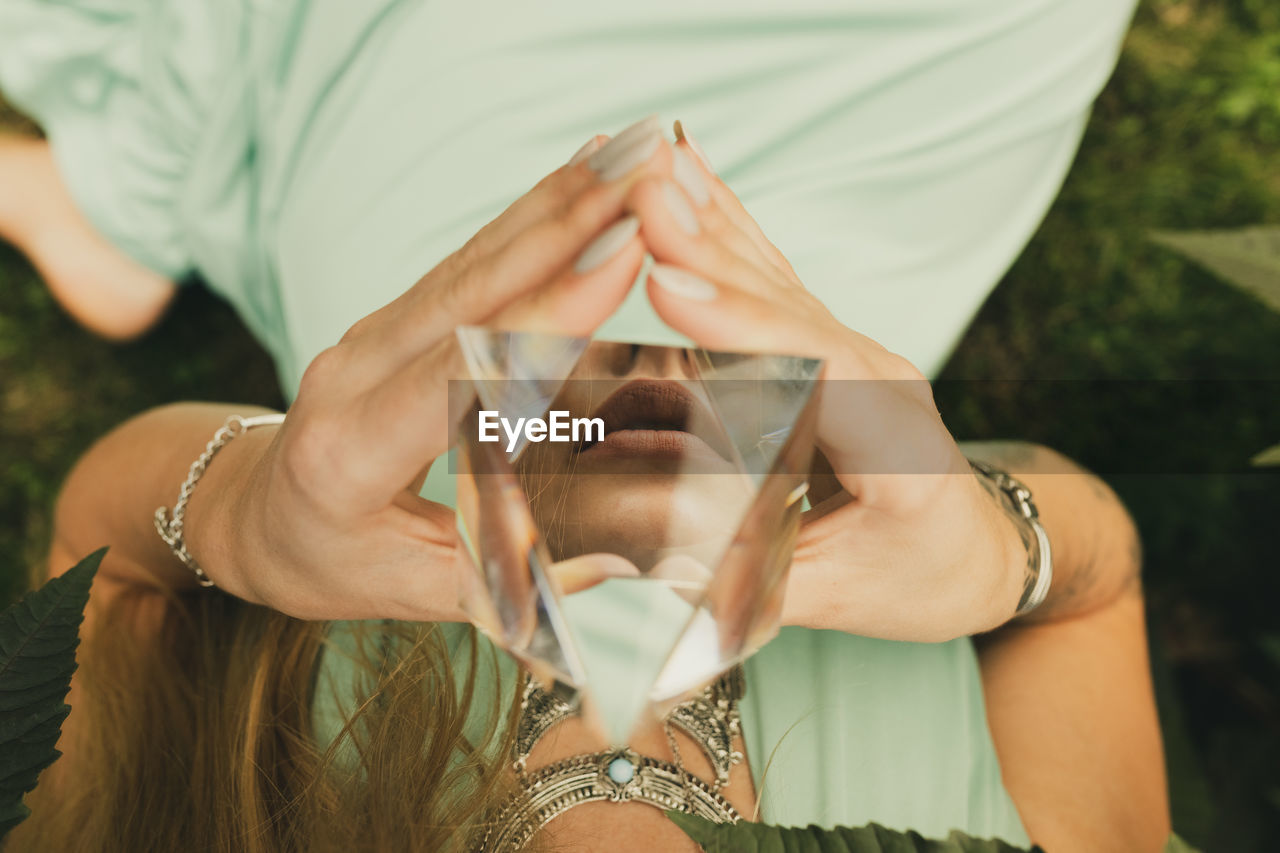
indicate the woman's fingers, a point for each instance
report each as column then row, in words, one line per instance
column 539, row 235
column 730, row 204
column 699, row 238
column 582, row 573
column 581, row 297
column 684, row 575
column 877, row 415
column 600, row 158
column 713, row 284
column 719, row 315
column 405, row 421
column 374, row 410
column 538, row 203
column 731, row 317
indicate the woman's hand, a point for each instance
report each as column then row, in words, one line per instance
column 903, row 541
column 328, row 524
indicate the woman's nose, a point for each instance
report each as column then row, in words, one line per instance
column 611, row 360
column 661, row 362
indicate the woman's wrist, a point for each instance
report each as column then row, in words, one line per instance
column 223, row 520
column 1001, row 548
column 1095, row 546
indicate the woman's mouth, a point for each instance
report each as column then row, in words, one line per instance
column 657, row 419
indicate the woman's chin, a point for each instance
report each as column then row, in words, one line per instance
column 646, row 518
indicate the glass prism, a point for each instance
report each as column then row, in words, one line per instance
column 630, row 510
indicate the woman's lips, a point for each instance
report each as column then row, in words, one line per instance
column 657, row 419
column 658, row 443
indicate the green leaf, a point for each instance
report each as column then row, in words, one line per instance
column 1177, row 845
column 747, row 837
column 38, row 639
column 1248, row 258
column 1270, row 456
column 1270, row 645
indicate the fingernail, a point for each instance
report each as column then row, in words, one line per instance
column 585, row 151
column 613, row 566
column 627, row 150
column 690, row 177
column 679, row 567
column 608, row 244
column 682, row 134
column 680, row 210
column 645, row 126
column 682, row 283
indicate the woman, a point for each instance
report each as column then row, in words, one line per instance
column 319, row 519
column 240, row 143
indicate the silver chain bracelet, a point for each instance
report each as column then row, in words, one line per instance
column 170, row 526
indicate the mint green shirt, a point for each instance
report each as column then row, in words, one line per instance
column 311, row 159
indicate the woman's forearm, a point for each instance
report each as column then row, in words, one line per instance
column 1068, row 687
column 112, row 493
column 1073, row 720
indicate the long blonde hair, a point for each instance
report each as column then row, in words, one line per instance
column 200, row 737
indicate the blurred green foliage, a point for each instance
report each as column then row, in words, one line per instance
column 1186, row 137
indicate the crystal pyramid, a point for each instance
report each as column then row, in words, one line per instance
column 630, row 510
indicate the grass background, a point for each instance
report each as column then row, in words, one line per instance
column 1186, row 135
